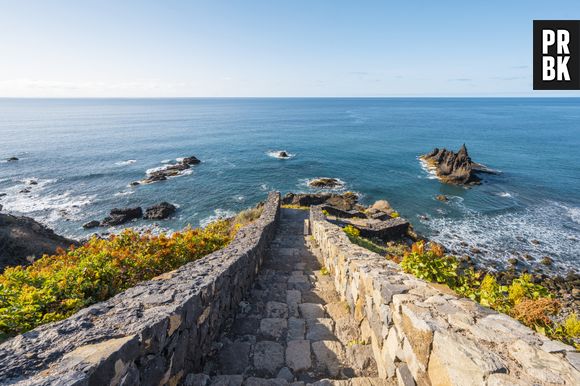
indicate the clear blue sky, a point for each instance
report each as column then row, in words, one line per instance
column 130, row 48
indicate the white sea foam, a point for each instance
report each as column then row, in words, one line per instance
column 428, row 169
column 126, row 162
column 48, row 207
column 504, row 194
column 276, row 154
column 264, row 187
column 218, row 213
column 502, row 236
column 166, row 161
column 125, row 193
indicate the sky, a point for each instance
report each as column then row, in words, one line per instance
column 270, row 48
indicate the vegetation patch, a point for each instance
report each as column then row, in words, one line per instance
column 55, row 287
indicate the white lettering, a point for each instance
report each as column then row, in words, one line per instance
column 563, row 40
column 548, row 39
column 563, row 73
column 548, row 71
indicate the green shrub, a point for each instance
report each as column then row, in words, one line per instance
column 351, row 231
column 54, row 287
column 428, row 266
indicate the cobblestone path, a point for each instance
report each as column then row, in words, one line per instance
column 293, row 328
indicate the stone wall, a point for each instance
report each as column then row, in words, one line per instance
column 152, row 334
column 425, row 334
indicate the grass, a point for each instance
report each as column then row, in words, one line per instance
column 56, row 286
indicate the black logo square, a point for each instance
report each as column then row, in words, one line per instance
column 556, row 54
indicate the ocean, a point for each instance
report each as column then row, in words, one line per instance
column 84, row 153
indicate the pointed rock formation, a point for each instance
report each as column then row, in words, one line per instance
column 453, row 168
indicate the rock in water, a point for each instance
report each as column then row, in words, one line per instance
column 120, row 216
column 91, row 224
column 325, row 183
column 159, row 211
column 190, row 160
column 441, row 197
column 22, row 237
column 283, row 154
column 453, row 168
column 12, row 159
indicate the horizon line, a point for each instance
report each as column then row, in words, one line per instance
column 297, row 97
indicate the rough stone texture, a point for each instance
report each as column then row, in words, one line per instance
column 154, row 333
column 298, row 355
column 268, row 356
column 22, row 237
column 329, row 355
column 423, row 334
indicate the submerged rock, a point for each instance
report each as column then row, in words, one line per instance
column 160, row 211
column 441, row 197
column 120, row 216
column 22, row 239
column 325, row 183
column 454, row 168
column 12, row 159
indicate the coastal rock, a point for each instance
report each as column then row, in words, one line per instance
column 193, row 160
column 172, row 170
column 454, row 168
column 91, row 224
column 547, row 260
column 283, row 154
column 12, row 159
column 381, row 205
column 120, row 216
column 441, row 197
column 345, row 201
column 23, row 237
column 160, row 211
column 325, row 183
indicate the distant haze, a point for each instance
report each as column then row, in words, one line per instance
column 111, row 48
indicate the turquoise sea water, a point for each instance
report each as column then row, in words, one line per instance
column 84, row 154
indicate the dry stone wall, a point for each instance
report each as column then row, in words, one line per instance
column 152, row 334
column 425, row 334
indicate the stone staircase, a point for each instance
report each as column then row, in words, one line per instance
column 293, row 328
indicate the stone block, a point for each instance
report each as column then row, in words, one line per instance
column 298, row 355
column 273, row 327
column 329, row 356
column 320, row 329
column 276, row 310
column 296, row 329
column 456, row 360
column 311, row 310
column 268, row 357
